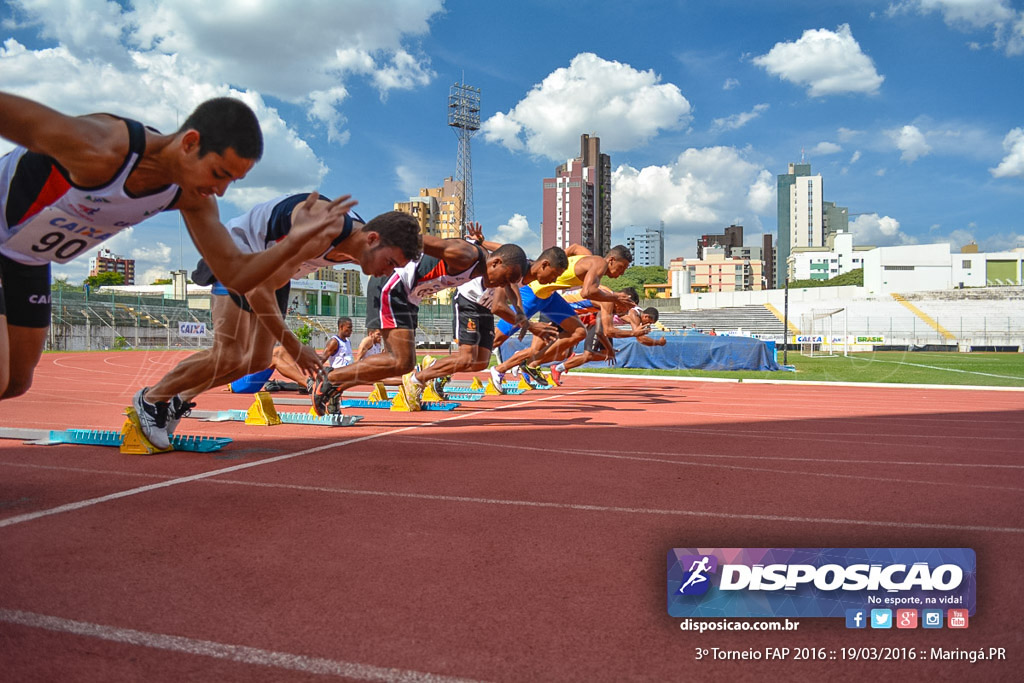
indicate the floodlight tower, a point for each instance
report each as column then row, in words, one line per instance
column 464, row 118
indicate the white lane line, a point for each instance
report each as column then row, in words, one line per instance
column 235, row 653
column 68, row 507
column 626, row 510
column 760, row 458
column 936, row 367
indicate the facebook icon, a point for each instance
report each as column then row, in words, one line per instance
column 856, row 618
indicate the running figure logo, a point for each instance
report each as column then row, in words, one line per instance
column 696, row 581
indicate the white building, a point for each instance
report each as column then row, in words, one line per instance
column 806, row 212
column 927, row 267
column 647, row 245
column 838, row 256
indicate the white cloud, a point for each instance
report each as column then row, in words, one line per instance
column 1006, row 23
column 703, row 191
column 621, row 105
column 911, row 142
column 158, row 253
column 827, row 62
column 730, row 84
column 856, row 157
column 1012, row 165
column 517, row 231
column 226, row 43
column 825, row 148
column 410, row 180
column 884, row 231
column 737, row 121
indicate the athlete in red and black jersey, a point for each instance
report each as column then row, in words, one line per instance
column 74, row 181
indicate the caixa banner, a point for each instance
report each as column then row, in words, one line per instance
column 817, row 582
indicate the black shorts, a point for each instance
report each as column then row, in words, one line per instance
column 388, row 306
column 474, row 324
column 592, row 343
column 25, row 292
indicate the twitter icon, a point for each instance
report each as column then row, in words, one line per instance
column 881, row 618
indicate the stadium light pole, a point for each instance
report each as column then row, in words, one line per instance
column 785, row 325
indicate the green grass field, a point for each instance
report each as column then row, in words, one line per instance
column 894, row 367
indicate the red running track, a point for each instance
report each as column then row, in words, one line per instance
column 517, row 538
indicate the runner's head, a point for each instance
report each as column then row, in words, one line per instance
column 505, row 266
column 344, row 327
column 618, row 259
column 221, row 141
column 551, row 263
column 392, row 240
column 650, row 315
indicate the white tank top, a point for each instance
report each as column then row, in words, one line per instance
column 263, row 225
column 343, row 356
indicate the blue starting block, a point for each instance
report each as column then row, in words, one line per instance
column 108, row 437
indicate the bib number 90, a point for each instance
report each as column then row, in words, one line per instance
column 63, row 249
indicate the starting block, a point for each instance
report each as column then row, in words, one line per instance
column 129, row 440
column 263, row 412
column 380, row 398
column 511, row 389
column 402, row 405
column 134, row 442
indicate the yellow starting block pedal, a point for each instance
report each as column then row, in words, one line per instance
column 133, row 441
column 489, row 390
column 379, row 393
column 524, row 385
column 430, row 394
column 401, row 402
column 262, row 411
column 477, row 385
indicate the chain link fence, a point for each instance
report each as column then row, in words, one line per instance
column 83, row 322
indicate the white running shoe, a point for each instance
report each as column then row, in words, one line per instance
column 497, row 378
column 153, row 419
column 178, row 410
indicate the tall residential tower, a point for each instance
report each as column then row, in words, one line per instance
column 578, row 201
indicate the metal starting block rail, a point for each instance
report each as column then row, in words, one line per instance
column 285, row 418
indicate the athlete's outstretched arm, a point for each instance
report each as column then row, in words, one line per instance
column 264, row 306
column 314, row 225
column 90, row 148
column 458, row 254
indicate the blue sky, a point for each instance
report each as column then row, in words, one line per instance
column 912, row 110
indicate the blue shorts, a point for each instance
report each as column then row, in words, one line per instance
column 555, row 308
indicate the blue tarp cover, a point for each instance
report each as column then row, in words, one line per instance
column 682, row 351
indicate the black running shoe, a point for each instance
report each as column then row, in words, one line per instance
column 322, row 393
column 534, row 375
column 440, row 383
